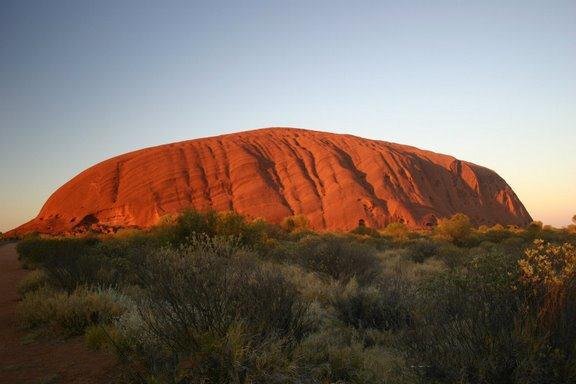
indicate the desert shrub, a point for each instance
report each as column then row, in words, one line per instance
column 177, row 230
column 496, row 234
column 72, row 263
column 309, row 284
column 263, row 298
column 395, row 264
column 100, row 337
column 190, row 222
column 495, row 318
column 338, row 355
column 456, row 229
column 69, row 313
column 465, row 322
column 113, row 261
column 211, row 311
column 337, row 257
column 219, row 299
column 234, row 224
column 278, row 251
column 552, row 235
column 452, row 255
column 547, row 332
column 35, row 251
column 33, row 281
column 296, row 223
column 384, row 306
column 67, row 263
column 397, row 231
column 376, row 241
column 128, row 233
column 420, row 250
column 363, row 230
column 533, row 229
column 513, row 245
column 548, row 266
column 210, row 223
column 72, row 271
column 231, row 357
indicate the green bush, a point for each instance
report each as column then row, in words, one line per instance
column 72, row 263
column 465, row 322
column 452, row 255
column 309, row 285
column 339, row 356
column 67, row 262
column 513, row 245
column 32, row 282
column 337, row 257
column 363, row 230
column 35, row 251
column 383, row 307
column 396, row 264
column 456, row 229
column 211, row 223
column 211, row 303
column 496, row 234
column 420, row 250
column 69, row 314
column 297, row 223
column 397, row 231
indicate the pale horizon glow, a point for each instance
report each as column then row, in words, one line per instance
column 488, row 82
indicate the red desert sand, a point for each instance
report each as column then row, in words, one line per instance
column 44, row 360
column 335, row 180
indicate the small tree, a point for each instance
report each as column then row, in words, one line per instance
column 398, row 231
column 535, row 226
column 455, row 229
column 295, row 223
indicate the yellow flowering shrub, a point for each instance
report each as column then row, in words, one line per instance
column 548, row 265
column 549, row 272
column 455, row 229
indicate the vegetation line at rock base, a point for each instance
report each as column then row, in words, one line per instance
column 215, row 298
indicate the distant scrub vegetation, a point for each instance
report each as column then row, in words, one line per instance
column 215, row 298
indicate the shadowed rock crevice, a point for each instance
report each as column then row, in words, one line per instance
column 267, row 171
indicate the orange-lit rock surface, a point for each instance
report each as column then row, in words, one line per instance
column 335, row 180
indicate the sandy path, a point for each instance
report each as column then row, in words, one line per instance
column 47, row 362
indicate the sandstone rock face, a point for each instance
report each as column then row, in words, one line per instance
column 335, row 180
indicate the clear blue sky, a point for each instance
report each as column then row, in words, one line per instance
column 492, row 82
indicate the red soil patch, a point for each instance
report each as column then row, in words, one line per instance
column 41, row 361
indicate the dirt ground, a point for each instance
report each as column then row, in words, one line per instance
column 42, row 361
